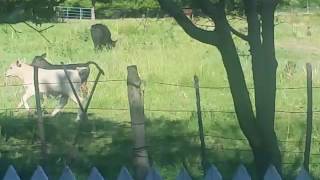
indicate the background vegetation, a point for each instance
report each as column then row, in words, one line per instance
column 127, row 4
column 14, row 11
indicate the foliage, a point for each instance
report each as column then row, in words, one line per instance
column 14, row 11
column 300, row 3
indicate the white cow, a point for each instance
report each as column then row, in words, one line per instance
column 51, row 83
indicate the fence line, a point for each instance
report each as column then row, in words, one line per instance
column 222, row 87
column 66, row 82
column 123, row 124
column 74, row 12
column 152, row 173
column 160, row 83
column 157, row 110
column 238, row 139
column 191, row 111
column 35, row 145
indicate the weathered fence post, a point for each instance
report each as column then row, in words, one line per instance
column 201, row 134
column 135, row 96
column 309, row 118
column 80, row 13
column 67, row 13
column 41, row 132
column 93, row 16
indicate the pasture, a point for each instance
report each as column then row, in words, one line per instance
column 162, row 53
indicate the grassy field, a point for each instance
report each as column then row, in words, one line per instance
column 163, row 53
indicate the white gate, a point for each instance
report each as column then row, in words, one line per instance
column 74, row 12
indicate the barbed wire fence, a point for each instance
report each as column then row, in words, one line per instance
column 126, row 110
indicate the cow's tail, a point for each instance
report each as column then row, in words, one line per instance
column 94, row 63
column 84, row 75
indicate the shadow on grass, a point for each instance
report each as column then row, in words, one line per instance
column 107, row 144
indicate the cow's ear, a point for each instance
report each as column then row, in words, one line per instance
column 18, row 63
column 44, row 55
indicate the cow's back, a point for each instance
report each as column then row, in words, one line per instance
column 56, row 82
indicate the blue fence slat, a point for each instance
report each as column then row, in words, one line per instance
column 213, row 174
column 95, row 174
column 39, row 174
column 272, row 174
column 153, row 174
column 303, row 175
column 241, row 174
column 183, row 175
column 67, row 174
column 124, row 174
column 11, row 174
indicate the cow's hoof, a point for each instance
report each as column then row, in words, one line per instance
column 53, row 115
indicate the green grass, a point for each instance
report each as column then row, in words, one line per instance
column 163, row 53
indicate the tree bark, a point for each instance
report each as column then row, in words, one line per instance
column 264, row 67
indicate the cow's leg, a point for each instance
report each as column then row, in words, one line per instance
column 24, row 100
column 74, row 99
column 42, row 102
column 63, row 101
column 20, row 104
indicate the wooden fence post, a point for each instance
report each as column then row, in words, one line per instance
column 41, row 132
column 67, row 13
column 93, row 16
column 135, row 97
column 80, row 13
column 204, row 162
column 309, row 118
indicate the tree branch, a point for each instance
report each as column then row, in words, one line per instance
column 16, row 31
column 46, row 28
column 239, row 34
column 39, row 31
column 204, row 36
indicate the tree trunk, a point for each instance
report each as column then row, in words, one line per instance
column 264, row 67
column 259, row 128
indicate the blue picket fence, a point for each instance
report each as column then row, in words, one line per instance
column 212, row 174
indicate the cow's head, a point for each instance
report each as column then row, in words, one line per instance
column 14, row 69
column 113, row 43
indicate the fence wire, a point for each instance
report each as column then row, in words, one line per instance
column 163, row 110
column 126, row 124
column 154, row 110
column 221, row 87
column 216, row 149
column 158, row 83
column 66, row 82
